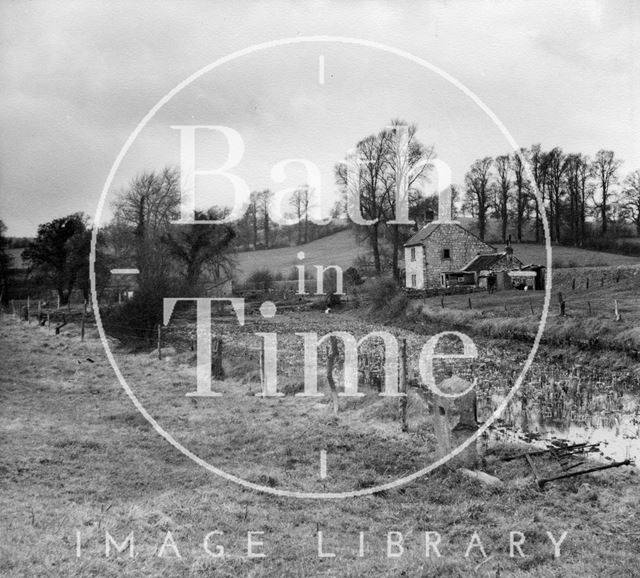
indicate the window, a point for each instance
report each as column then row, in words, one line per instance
column 413, row 281
column 446, row 253
column 413, row 253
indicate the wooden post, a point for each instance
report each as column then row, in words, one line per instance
column 470, row 303
column 587, row 282
column 531, row 307
column 562, row 304
column 159, row 341
column 402, row 384
column 216, row 362
column 589, row 306
column 617, row 313
column 573, row 284
column 261, row 360
column 331, row 360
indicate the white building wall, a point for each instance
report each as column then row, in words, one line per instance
column 414, row 266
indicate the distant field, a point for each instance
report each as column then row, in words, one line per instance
column 339, row 249
column 342, row 249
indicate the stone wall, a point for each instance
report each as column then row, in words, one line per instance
column 414, row 267
column 462, row 246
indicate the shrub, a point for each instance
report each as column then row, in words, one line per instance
column 386, row 298
column 136, row 320
column 262, row 279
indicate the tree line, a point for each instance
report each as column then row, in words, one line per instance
column 574, row 190
column 576, row 194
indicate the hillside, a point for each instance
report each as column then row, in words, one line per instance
column 342, row 249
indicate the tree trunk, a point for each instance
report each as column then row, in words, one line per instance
column 603, row 212
column 375, row 248
column 481, row 223
column 396, row 248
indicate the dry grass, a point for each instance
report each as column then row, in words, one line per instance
column 77, row 456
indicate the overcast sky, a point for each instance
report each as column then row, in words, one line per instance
column 77, row 77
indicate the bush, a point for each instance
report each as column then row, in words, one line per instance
column 137, row 319
column 262, row 279
column 387, row 299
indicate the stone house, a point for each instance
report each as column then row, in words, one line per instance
column 440, row 248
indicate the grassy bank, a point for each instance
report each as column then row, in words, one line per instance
column 78, row 457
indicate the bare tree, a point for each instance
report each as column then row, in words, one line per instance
column 145, row 209
column 631, row 198
column 380, row 167
column 259, row 212
column 521, row 190
column 503, row 192
column 539, row 167
column 477, row 181
column 580, row 188
column 371, row 188
column 412, row 170
column 300, row 203
column 556, row 167
column 605, row 168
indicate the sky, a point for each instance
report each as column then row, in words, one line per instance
column 76, row 78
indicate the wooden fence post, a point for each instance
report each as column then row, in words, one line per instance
column 442, row 301
column 470, row 303
column 531, row 307
column 402, row 384
column 216, row 363
column 332, row 358
column 587, row 282
column 617, row 313
column 159, row 341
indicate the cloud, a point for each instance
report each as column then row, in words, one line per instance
column 78, row 76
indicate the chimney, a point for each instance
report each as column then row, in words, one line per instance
column 444, row 205
column 509, row 249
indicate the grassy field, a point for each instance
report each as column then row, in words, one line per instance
column 342, row 249
column 77, row 456
column 590, row 296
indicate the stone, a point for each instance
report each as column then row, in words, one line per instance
column 455, row 420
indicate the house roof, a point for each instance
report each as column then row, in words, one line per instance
column 484, row 262
column 430, row 228
column 423, row 234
